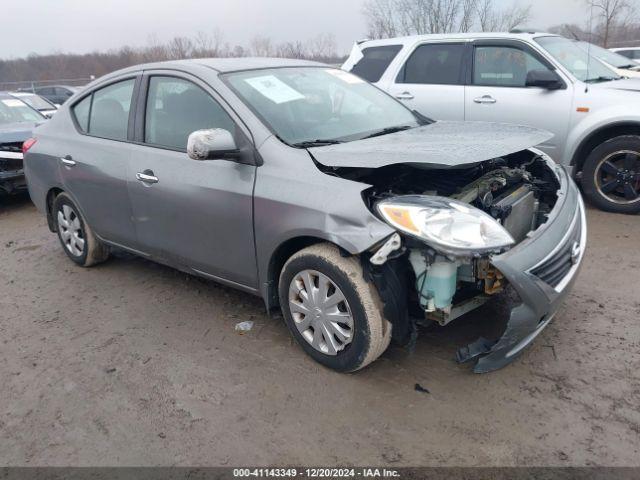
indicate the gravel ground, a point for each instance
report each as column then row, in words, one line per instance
column 133, row 363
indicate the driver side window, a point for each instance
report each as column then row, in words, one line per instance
column 176, row 108
column 503, row 66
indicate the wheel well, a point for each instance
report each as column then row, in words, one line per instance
column 600, row 136
column 278, row 259
column 51, row 195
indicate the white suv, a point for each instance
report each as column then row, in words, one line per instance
column 535, row 79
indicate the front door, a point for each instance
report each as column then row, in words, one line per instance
column 498, row 93
column 432, row 81
column 197, row 214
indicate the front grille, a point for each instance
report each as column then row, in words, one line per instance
column 558, row 265
column 15, row 147
column 10, row 156
column 10, row 164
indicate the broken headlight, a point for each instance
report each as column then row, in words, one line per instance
column 447, row 225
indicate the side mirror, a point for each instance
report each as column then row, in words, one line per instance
column 212, row 144
column 544, row 79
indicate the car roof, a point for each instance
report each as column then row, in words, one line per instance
column 222, row 65
column 411, row 39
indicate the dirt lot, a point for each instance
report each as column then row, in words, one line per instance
column 132, row 363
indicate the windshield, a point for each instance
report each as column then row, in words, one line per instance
column 612, row 58
column 585, row 67
column 36, row 101
column 319, row 105
column 13, row 110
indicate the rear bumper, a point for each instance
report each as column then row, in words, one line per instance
column 542, row 270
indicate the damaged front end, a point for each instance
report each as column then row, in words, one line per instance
column 11, row 168
column 465, row 235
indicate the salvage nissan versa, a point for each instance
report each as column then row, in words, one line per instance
column 315, row 190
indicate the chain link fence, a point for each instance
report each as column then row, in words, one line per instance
column 31, row 85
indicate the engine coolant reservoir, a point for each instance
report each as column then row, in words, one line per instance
column 436, row 282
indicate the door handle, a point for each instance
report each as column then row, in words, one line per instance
column 67, row 161
column 485, row 99
column 147, row 177
column 405, row 96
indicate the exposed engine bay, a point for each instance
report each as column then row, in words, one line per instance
column 517, row 191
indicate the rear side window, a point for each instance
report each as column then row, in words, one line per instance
column 375, row 61
column 81, row 112
column 176, row 108
column 434, row 64
column 110, row 110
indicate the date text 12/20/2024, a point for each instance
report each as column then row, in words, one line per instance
column 315, row 473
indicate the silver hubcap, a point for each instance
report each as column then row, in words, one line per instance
column 320, row 312
column 71, row 230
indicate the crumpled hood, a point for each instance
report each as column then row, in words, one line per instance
column 440, row 144
column 16, row 132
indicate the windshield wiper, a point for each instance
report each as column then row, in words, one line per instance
column 386, row 131
column 316, row 143
column 601, row 79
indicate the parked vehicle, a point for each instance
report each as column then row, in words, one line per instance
column 534, row 79
column 17, row 121
column 632, row 53
column 56, row 94
column 309, row 187
column 616, row 62
column 44, row 106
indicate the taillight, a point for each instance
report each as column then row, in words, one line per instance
column 30, row 142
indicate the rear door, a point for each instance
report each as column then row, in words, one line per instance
column 196, row 214
column 94, row 160
column 432, row 79
column 498, row 93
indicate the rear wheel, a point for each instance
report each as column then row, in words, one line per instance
column 611, row 175
column 333, row 313
column 76, row 237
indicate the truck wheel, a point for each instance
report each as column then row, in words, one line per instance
column 77, row 239
column 611, row 175
column 333, row 313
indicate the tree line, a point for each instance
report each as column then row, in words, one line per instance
column 611, row 23
column 40, row 68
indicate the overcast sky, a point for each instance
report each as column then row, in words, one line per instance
column 79, row 26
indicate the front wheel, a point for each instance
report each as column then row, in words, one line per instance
column 77, row 239
column 611, row 175
column 333, row 313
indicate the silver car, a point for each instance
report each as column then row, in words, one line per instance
column 318, row 192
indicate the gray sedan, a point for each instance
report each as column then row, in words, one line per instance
column 313, row 189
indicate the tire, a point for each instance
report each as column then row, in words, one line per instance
column 611, row 175
column 359, row 317
column 76, row 237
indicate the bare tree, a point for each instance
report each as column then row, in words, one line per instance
column 180, row 47
column 322, row 47
column 612, row 14
column 387, row 18
column 261, row 46
column 381, row 18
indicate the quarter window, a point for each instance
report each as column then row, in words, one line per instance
column 81, row 112
column 503, row 66
column 109, row 116
column 176, row 108
column 434, row 64
column 375, row 61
